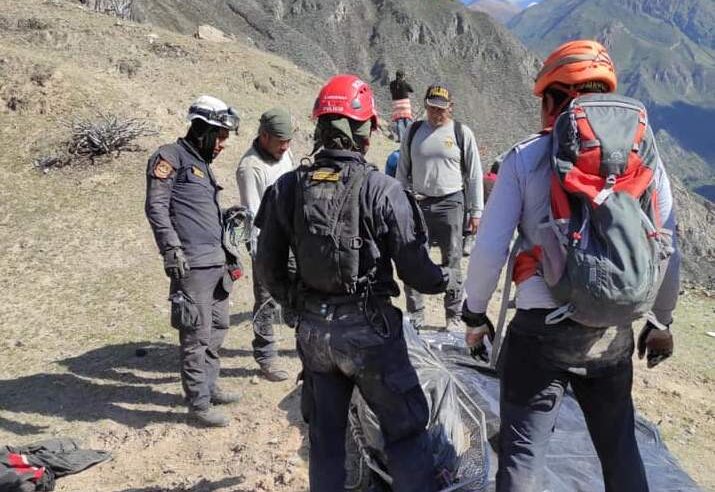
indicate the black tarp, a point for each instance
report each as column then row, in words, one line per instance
column 572, row 464
column 447, row 373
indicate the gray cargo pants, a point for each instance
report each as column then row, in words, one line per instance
column 199, row 310
column 444, row 217
column 265, row 310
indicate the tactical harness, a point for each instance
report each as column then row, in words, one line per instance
column 335, row 263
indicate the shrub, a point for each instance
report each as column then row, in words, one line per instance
column 108, row 134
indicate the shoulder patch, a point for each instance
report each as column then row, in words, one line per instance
column 325, row 176
column 163, row 169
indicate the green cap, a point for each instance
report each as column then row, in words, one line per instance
column 277, row 122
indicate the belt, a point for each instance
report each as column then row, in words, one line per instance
column 420, row 197
column 327, row 309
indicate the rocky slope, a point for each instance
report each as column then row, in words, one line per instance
column 86, row 348
column 501, row 10
column 435, row 40
column 665, row 55
column 489, row 71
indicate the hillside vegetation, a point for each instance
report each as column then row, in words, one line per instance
column 83, row 287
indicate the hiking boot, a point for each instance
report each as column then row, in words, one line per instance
column 221, row 397
column 273, row 372
column 208, row 418
column 454, row 323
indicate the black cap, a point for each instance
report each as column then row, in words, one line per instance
column 439, row 96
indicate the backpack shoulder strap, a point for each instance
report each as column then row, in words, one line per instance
column 459, row 137
column 410, row 137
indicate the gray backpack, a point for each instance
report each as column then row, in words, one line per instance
column 603, row 250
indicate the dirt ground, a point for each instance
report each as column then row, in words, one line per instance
column 83, row 288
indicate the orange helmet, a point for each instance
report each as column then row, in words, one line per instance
column 574, row 63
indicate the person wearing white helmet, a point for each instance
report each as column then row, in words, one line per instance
column 183, row 210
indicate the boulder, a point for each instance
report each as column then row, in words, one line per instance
column 210, row 33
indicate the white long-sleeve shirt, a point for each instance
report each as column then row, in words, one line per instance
column 521, row 198
column 256, row 172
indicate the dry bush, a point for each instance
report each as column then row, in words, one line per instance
column 32, row 24
column 129, row 67
column 90, row 138
column 41, row 74
column 108, row 134
column 168, row 50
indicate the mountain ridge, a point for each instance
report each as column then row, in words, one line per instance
column 500, row 10
column 663, row 51
column 490, row 72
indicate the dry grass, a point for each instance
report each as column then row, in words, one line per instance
column 80, row 271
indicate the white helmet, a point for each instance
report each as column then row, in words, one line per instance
column 214, row 112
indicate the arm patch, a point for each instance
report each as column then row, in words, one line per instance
column 162, row 169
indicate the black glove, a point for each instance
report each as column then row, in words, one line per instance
column 656, row 343
column 478, row 325
column 175, row 264
column 291, row 318
column 289, row 308
column 228, row 212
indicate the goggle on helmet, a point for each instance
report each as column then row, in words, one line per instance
column 225, row 118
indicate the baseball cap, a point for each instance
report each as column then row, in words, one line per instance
column 439, row 96
column 277, row 122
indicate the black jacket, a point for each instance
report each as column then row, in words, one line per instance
column 400, row 89
column 183, row 207
column 387, row 225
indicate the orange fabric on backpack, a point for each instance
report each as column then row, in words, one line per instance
column 526, row 264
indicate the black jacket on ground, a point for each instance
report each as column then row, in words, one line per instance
column 36, row 466
column 183, row 207
column 387, row 225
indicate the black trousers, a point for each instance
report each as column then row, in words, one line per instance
column 339, row 351
column 444, row 217
column 532, row 388
column 202, row 330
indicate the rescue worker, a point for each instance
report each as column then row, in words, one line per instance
column 439, row 162
column 268, row 158
column 347, row 225
column 540, row 360
column 400, row 91
column 183, row 210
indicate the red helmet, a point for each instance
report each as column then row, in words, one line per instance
column 349, row 96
